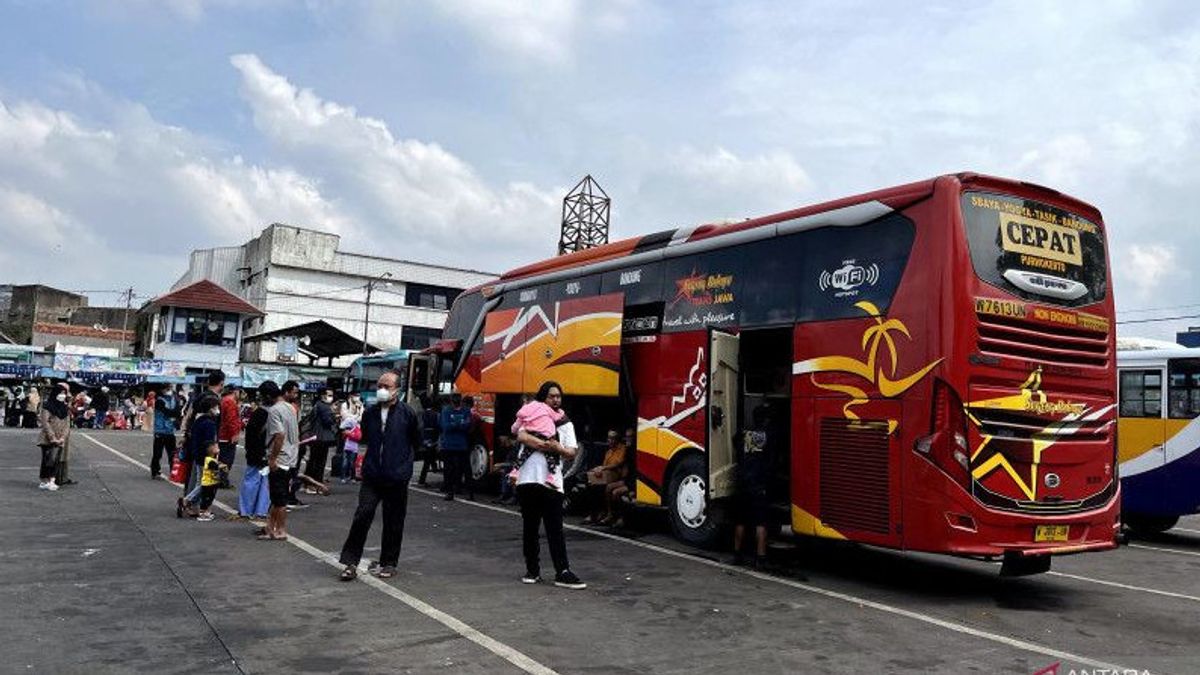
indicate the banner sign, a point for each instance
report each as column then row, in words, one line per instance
column 105, row 364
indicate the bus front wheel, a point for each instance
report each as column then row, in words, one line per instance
column 1142, row 524
column 692, row 521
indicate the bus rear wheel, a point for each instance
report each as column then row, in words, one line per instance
column 478, row 462
column 1142, row 524
column 692, row 521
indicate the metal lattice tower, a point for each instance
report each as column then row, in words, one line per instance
column 585, row 217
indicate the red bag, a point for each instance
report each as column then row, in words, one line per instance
column 180, row 470
column 355, row 434
column 358, row 464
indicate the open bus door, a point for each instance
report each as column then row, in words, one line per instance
column 420, row 370
column 723, row 398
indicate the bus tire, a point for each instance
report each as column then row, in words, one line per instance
column 478, row 462
column 692, row 522
column 1143, row 524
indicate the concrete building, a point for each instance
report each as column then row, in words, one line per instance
column 298, row 276
column 34, row 303
column 200, row 324
column 63, row 322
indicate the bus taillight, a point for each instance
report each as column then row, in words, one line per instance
column 946, row 445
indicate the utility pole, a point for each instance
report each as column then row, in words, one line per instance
column 125, row 322
column 367, row 318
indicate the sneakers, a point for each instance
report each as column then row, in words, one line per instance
column 204, row 517
column 567, row 579
column 531, row 578
column 47, row 485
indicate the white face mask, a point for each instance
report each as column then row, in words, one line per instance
column 214, row 412
column 329, row 399
column 383, row 395
column 61, row 397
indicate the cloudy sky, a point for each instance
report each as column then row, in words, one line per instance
column 132, row 132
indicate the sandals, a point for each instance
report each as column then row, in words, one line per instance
column 386, row 572
column 271, row 537
column 350, row 573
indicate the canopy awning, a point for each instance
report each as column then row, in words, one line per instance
column 317, row 340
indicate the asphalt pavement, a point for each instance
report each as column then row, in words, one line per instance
column 101, row 577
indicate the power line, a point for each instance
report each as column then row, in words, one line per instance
column 1164, row 318
column 1155, row 309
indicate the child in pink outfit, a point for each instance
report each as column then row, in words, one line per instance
column 541, row 421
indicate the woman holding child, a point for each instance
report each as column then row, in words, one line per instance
column 548, row 437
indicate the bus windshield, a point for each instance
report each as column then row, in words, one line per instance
column 1035, row 251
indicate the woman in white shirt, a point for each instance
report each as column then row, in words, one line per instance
column 542, row 504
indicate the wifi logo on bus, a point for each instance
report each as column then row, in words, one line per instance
column 847, row 278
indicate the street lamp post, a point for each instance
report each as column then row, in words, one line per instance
column 367, row 317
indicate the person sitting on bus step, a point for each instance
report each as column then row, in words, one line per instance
column 751, row 505
column 507, row 452
column 605, row 478
column 540, row 421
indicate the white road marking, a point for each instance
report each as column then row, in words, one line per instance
column 1165, row 550
column 504, row 651
column 845, row 597
column 1143, row 589
column 1183, row 529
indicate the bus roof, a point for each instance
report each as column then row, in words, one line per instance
column 1140, row 356
column 893, row 198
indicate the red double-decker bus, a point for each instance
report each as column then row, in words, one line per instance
column 939, row 357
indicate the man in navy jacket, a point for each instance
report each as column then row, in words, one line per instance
column 391, row 433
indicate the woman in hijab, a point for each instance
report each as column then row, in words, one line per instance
column 56, row 428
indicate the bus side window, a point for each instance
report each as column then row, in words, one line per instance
column 1141, row 393
column 1184, row 389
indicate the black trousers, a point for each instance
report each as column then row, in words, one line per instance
column 162, row 443
column 395, row 507
column 227, row 453
column 335, row 465
column 428, row 458
column 315, row 469
column 455, row 468
column 50, row 454
column 542, row 505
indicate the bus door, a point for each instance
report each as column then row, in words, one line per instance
column 724, row 397
column 420, row 368
column 1141, row 436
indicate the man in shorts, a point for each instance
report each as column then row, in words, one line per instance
column 283, row 430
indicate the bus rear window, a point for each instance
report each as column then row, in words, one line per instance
column 1035, row 251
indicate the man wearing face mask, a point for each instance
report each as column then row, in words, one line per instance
column 325, row 428
column 166, row 413
column 391, row 432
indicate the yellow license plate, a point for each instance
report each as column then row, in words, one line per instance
column 1051, row 532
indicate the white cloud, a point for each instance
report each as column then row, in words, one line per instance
column 121, row 201
column 412, row 193
column 1146, row 270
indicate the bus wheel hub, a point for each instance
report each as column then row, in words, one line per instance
column 689, row 503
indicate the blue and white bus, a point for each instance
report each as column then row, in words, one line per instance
column 362, row 375
column 1159, row 436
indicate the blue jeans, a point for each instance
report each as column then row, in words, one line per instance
column 349, row 458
